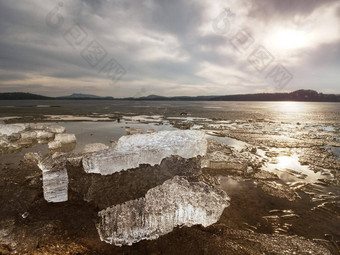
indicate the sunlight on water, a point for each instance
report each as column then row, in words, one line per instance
column 288, row 162
column 289, row 169
column 291, row 107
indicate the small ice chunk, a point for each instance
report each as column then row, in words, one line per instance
column 56, row 129
column 37, row 126
column 9, row 129
column 55, row 185
column 93, row 147
column 176, row 202
column 24, row 215
column 44, row 135
column 133, row 150
column 65, row 138
column 60, row 140
column 53, row 145
column 28, row 135
column 55, row 180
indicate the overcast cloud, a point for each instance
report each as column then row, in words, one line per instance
column 169, row 48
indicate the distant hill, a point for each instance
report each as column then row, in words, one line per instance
column 152, row 97
column 176, row 98
column 22, row 96
column 299, row 95
column 83, row 96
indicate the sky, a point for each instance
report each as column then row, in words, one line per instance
column 124, row 48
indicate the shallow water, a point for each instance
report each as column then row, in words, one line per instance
column 289, row 169
column 281, row 111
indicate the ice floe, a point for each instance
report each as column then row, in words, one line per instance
column 133, row 150
column 176, row 202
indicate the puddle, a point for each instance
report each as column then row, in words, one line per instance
column 15, row 158
column 289, row 169
column 88, row 132
column 105, row 132
column 236, row 144
column 335, row 150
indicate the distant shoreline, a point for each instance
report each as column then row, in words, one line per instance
column 296, row 96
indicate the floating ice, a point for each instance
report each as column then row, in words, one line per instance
column 44, row 134
column 133, row 150
column 176, row 202
column 28, row 135
column 60, row 140
column 9, row 129
column 53, row 145
column 65, row 138
column 56, row 129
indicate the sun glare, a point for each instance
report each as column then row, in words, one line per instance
column 290, row 106
column 290, row 39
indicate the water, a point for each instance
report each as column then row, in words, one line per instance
column 280, row 111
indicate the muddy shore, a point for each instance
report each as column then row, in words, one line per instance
column 282, row 179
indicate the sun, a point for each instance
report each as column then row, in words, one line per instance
column 290, row 39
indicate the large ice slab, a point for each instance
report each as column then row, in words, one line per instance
column 176, row 202
column 133, row 150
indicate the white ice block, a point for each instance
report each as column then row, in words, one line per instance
column 8, row 129
column 176, row 202
column 133, row 150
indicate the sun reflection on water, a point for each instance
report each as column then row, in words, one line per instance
column 291, row 106
column 289, row 169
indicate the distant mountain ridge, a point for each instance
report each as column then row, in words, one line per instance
column 22, row 96
column 298, row 95
column 83, row 96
